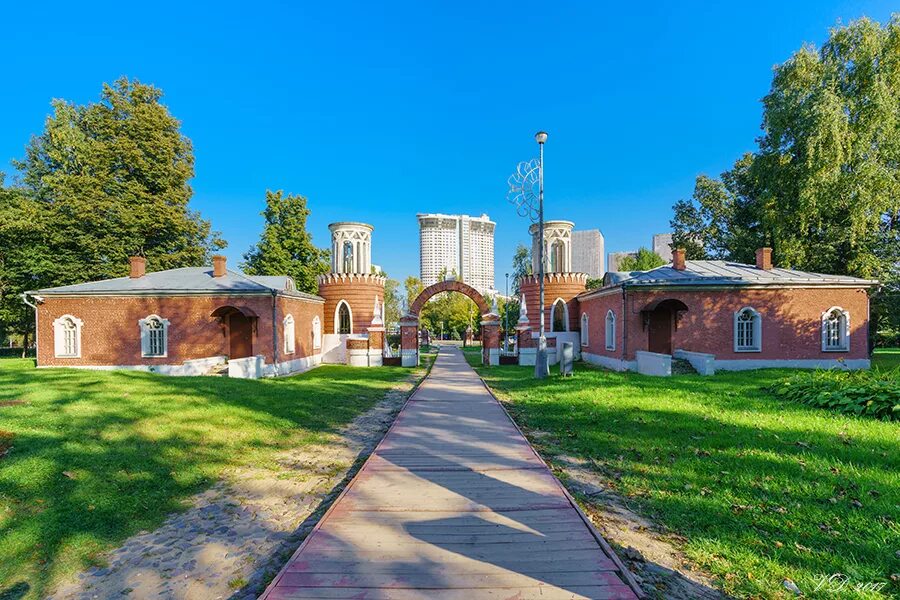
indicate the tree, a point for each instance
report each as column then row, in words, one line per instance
column 392, row 301
column 414, row 287
column 643, row 260
column 285, row 247
column 450, row 311
column 521, row 266
column 823, row 187
column 111, row 179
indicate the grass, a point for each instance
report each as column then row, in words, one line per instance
column 762, row 490
column 886, row 358
column 98, row 456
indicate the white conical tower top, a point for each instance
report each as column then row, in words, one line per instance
column 377, row 313
column 523, row 310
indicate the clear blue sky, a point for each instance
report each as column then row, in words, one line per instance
column 376, row 112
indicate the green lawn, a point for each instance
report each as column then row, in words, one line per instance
column 886, row 358
column 762, row 490
column 98, row 456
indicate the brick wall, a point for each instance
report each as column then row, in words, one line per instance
column 791, row 321
column 303, row 311
column 110, row 333
column 556, row 285
column 359, row 291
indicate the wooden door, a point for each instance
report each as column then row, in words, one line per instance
column 659, row 331
column 240, row 336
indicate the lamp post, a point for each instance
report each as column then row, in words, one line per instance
column 506, row 317
column 526, row 191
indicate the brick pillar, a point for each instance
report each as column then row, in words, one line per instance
column 409, row 341
column 376, row 346
column 490, row 340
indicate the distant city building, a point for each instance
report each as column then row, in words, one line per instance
column 587, row 253
column 662, row 245
column 457, row 244
column 615, row 258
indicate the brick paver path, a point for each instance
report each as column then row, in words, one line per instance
column 453, row 504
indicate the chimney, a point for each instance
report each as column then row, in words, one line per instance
column 764, row 259
column 138, row 267
column 678, row 259
column 218, row 265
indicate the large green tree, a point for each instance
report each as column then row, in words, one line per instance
column 823, row 188
column 285, row 246
column 112, row 180
column 521, row 265
column 643, row 260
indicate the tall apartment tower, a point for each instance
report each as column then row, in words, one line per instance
column 587, row 253
column 457, row 244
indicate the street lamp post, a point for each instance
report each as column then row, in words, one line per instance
column 526, row 191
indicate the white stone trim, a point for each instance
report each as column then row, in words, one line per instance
column 337, row 322
column 409, row 358
column 654, row 363
column 845, row 334
column 609, row 334
column 493, row 356
column 798, row 363
column 317, row 332
column 757, row 331
column 585, row 331
column 189, row 368
column 615, row 364
column 59, row 342
column 145, row 337
column 565, row 315
column 289, row 333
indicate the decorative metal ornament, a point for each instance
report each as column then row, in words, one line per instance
column 524, row 189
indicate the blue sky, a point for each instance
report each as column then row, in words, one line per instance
column 377, row 111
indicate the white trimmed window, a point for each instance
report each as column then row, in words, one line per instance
column 610, row 330
column 747, row 331
column 67, row 337
column 835, row 330
column 289, row 334
column 584, row 329
column 559, row 316
column 317, row 332
column 343, row 318
column 154, row 336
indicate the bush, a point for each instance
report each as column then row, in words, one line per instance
column 887, row 338
column 15, row 353
column 869, row 393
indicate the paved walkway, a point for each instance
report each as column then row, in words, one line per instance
column 453, row 504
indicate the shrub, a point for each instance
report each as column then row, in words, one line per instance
column 870, row 393
column 887, row 338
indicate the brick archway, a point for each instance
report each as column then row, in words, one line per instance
column 490, row 323
column 449, row 286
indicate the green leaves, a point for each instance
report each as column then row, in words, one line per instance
column 870, row 393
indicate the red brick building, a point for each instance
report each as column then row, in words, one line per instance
column 722, row 315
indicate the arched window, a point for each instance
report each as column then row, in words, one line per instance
column 556, row 255
column 154, row 336
column 835, row 330
column 610, row 330
column 348, row 257
column 67, row 337
column 317, row 333
column 747, row 331
column 343, row 318
column 584, row 329
column 559, row 316
column 289, row 335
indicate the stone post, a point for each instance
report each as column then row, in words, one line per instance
column 409, row 341
column 490, row 339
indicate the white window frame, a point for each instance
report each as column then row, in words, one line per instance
column 145, row 336
column 756, row 331
column 317, row 332
column 610, row 330
column 585, row 321
column 565, row 315
column 289, row 331
column 843, row 337
column 337, row 320
column 59, row 342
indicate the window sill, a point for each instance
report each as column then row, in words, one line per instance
column 154, row 356
column 747, row 350
column 837, row 350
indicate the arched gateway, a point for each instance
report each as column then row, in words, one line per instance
column 490, row 324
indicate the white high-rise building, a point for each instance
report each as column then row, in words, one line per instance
column 457, row 244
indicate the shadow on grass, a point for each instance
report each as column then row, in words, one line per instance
column 100, row 456
column 764, row 490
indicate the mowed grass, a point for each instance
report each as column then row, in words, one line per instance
column 98, row 456
column 886, row 358
column 762, row 490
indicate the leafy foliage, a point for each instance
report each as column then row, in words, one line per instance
column 643, row 260
column 451, row 312
column 873, row 393
column 823, row 188
column 594, row 283
column 285, row 247
column 521, row 266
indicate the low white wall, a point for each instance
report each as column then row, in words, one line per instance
column 527, row 356
column 189, row 368
column 705, row 364
column 409, row 358
column 566, row 336
column 493, row 356
column 615, row 364
column 358, row 358
column 293, row 367
column 652, row 363
column 334, row 348
column 246, row 368
column 814, row 363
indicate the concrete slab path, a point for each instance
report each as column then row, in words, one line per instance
column 453, row 504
